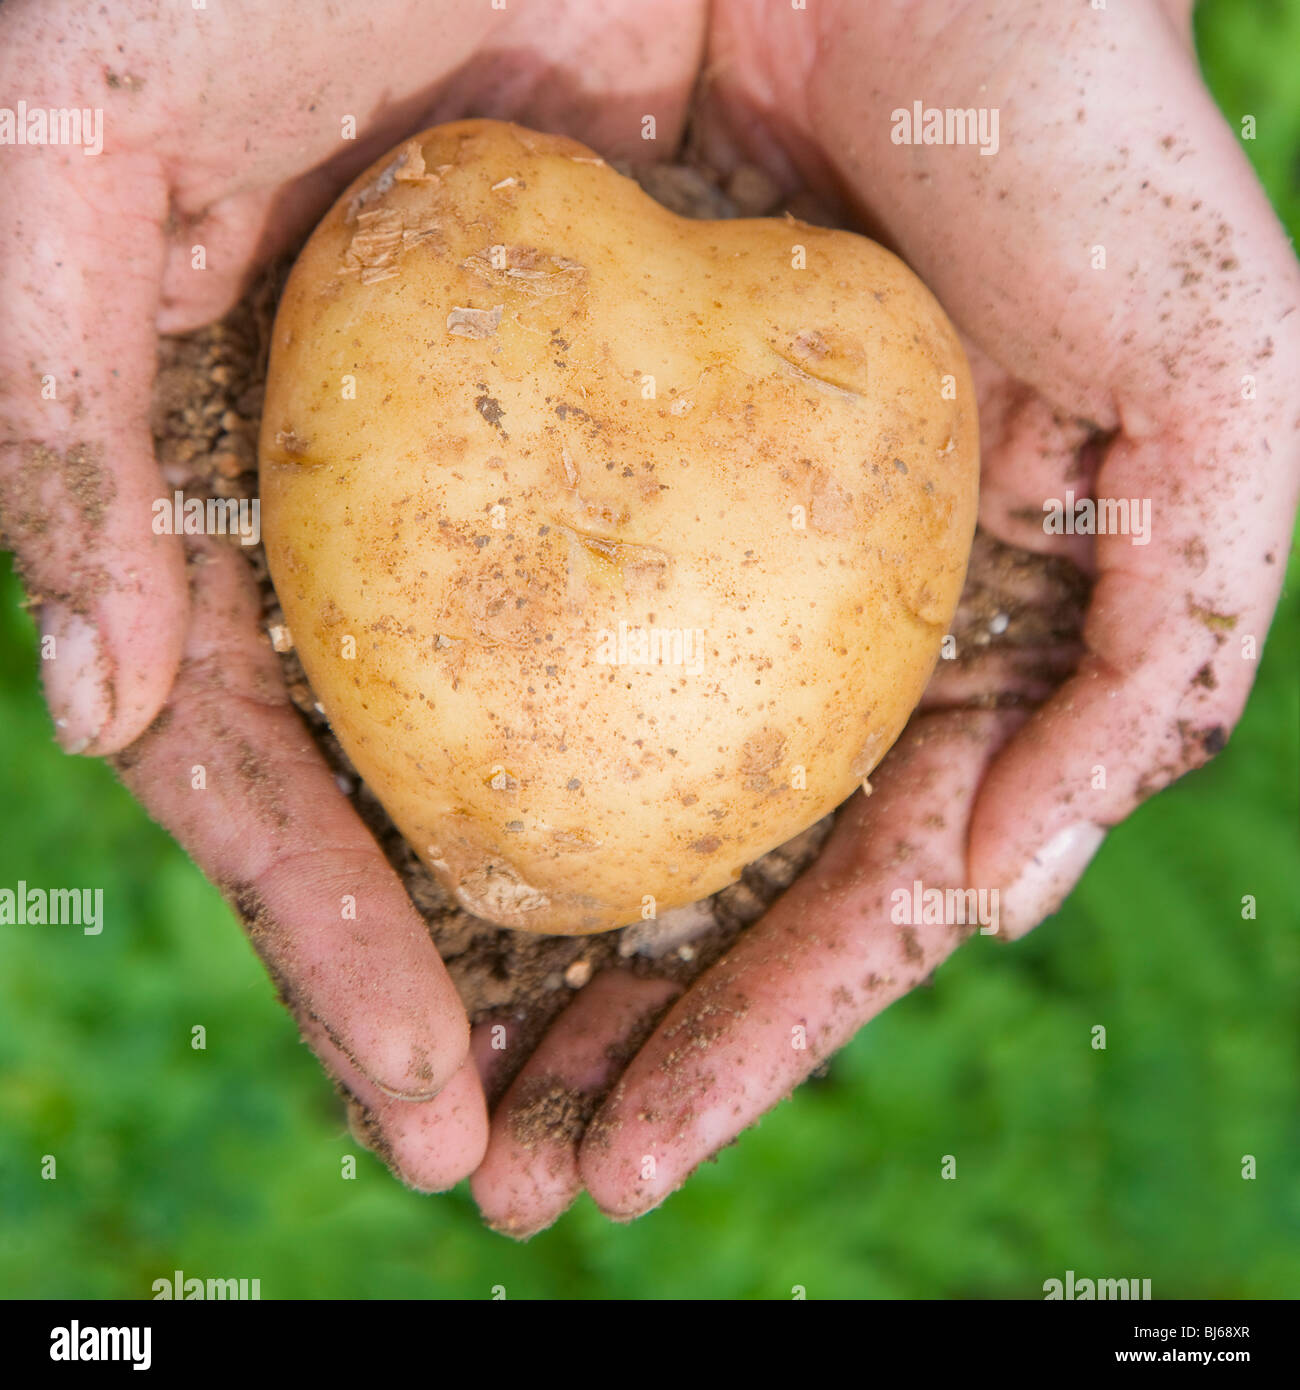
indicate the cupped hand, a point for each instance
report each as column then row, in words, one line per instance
column 1124, row 378
column 226, row 131
column 1130, row 302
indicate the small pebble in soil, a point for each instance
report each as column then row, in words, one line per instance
column 578, row 974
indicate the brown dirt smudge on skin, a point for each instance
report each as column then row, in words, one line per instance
column 265, row 935
column 91, row 484
column 604, row 1125
column 365, row 1128
column 547, row 1111
column 40, row 490
column 261, row 786
column 83, row 476
column 911, row 945
column 714, row 1011
column 621, row 1052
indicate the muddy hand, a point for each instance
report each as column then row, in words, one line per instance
column 1132, row 305
column 221, row 135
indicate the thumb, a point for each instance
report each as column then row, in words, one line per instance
column 80, row 262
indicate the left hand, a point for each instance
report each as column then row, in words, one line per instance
column 1117, row 382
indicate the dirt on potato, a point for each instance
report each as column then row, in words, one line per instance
column 206, row 415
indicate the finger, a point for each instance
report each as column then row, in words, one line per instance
column 1171, row 637
column 78, row 296
column 1000, row 677
column 828, row 956
column 490, row 1046
column 230, row 770
column 1029, row 450
column 430, row 1145
column 1128, row 268
column 530, row 1173
column 209, row 262
column 212, row 259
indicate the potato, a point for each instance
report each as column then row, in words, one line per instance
column 617, row 547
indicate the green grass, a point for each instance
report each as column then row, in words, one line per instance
column 1122, row 1162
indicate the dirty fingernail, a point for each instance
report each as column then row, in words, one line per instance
column 77, row 686
column 1045, row 881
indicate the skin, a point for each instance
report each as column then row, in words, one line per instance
column 1124, row 382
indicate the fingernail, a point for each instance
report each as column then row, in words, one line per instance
column 1047, row 879
column 77, row 687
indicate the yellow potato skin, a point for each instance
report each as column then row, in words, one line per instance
column 733, row 429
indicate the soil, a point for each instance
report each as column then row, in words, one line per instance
column 206, row 414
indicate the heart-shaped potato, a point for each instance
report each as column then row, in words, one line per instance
column 617, row 547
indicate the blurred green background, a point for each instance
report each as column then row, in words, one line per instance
column 1119, row 1163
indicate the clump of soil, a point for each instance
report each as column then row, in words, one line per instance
column 206, row 414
